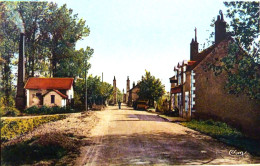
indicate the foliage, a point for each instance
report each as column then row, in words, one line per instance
column 11, row 128
column 226, row 134
column 44, row 110
column 243, row 72
column 52, row 148
column 242, row 66
column 97, row 91
column 151, row 89
column 25, row 152
column 51, row 33
column 161, row 104
column 119, row 95
column 76, row 64
column 8, row 45
column 213, row 128
column 244, row 17
column 9, row 111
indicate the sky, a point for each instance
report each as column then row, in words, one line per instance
column 131, row 36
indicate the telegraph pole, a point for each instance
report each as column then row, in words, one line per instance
column 86, row 95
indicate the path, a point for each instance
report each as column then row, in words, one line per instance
column 129, row 137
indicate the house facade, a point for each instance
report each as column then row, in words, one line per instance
column 49, row 91
column 133, row 96
column 198, row 93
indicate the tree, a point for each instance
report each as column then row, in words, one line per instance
column 61, row 31
column 9, row 37
column 98, row 91
column 76, row 64
column 151, row 89
column 242, row 65
column 32, row 16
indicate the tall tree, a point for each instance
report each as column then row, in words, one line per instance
column 9, row 37
column 61, row 30
column 151, row 88
column 32, row 15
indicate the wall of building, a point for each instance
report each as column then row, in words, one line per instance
column 47, row 99
column 31, row 96
column 213, row 101
column 70, row 93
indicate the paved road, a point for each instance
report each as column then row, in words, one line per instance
column 129, row 137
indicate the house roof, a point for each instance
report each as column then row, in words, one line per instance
column 58, row 92
column 49, row 83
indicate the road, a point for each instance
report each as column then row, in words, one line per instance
column 130, row 137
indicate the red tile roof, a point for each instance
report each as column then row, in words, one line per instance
column 61, row 94
column 49, row 83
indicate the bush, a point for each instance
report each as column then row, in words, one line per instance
column 28, row 153
column 11, row 128
column 9, row 111
column 48, row 110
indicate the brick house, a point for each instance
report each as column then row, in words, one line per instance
column 49, row 91
column 133, row 96
column 200, row 94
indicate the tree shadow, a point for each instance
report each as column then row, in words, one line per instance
column 159, row 148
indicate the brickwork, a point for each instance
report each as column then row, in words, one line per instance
column 213, row 101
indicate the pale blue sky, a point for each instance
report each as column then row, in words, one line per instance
column 129, row 36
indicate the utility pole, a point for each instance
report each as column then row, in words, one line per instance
column 86, row 95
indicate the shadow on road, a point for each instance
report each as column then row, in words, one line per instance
column 161, row 148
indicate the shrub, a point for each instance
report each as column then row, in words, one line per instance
column 49, row 110
column 11, row 128
column 9, row 111
column 28, row 153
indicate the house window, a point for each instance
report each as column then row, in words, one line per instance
column 39, row 95
column 52, row 98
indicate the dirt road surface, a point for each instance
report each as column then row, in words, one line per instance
column 129, row 137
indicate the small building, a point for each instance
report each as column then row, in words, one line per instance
column 49, row 91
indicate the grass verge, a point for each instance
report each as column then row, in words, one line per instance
column 11, row 128
column 226, row 134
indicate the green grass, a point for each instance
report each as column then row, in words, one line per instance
column 11, row 128
column 226, row 134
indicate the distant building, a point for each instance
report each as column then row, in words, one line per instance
column 133, row 96
column 49, row 91
column 199, row 93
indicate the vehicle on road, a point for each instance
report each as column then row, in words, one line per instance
column 141, row 105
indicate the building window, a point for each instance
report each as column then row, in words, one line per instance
column 52, row 98
column 39, row 95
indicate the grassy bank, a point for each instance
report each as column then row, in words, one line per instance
column 226, row 134
column 11, row 128
column 47, row 149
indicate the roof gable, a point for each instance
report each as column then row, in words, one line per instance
column 49, row 83
column 58, row 92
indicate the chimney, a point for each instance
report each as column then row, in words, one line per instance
column 115, row 91
column 20, row 95
column 220, row 28
column 194, row 48
column 133, row 84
